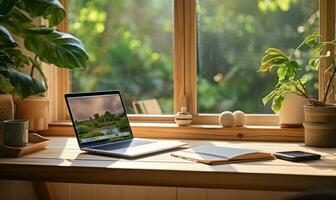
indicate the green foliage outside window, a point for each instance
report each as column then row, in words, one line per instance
column 130, row 44
column 232, row 38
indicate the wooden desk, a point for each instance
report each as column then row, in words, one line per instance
column 64, row 162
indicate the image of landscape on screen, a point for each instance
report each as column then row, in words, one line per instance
column 99, row 118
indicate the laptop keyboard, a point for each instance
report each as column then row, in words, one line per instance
column 123, row 145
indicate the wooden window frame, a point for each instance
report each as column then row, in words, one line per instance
column 327, row 30
column 58, row 82
column 185, row 74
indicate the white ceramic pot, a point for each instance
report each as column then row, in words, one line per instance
column 34, row 109
column 320, row 126
column 291, row 113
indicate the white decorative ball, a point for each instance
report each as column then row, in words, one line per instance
column 226, row 119
column 239, row 118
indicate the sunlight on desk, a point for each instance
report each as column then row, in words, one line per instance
column 62, row 161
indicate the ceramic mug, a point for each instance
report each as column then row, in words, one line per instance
column 16, row 132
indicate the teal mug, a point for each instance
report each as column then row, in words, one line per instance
column 16, row 132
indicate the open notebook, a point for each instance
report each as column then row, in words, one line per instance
column 213, row 155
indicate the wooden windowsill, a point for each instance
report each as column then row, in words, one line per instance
column 208, row 132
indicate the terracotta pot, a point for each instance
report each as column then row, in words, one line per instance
column 6, row 109
column 291, row 112
column 34, row 109
column 320, row 126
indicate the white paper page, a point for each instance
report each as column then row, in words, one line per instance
column 225, row 152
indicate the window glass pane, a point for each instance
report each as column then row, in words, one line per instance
column 130, row 47
column 232, row 38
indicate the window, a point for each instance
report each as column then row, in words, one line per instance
column 232, row 38
column 130, row 48
column 196, row 61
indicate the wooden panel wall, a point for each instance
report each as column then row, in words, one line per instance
column 13, row 190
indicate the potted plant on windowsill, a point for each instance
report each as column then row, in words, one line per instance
column 25, row 44
column 320, row 117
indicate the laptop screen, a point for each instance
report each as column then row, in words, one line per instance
column 99, row 117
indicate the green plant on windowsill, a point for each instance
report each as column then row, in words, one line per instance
column 288, row 72
column 42, row 44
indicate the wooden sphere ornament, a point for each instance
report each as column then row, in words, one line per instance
column 239, row 118
column 226, row 119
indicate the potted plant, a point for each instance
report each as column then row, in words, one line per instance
column 320, row 117
column 24, row 43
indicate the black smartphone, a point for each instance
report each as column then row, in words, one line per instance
column 296, row 156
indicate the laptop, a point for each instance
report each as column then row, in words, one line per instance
column 102, row 127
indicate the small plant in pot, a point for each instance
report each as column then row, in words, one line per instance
column 320, row 117
column 26, row 44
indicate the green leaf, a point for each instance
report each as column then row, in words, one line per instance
column 17, row 22
column 304, row 80
column 295, row 65
column 24, row 84
column 282, row 72
column 42, row 30
column 274, row 51
column 5, row 86
column 268, row 66
column 291, row 86
column 311, row 38
column 17, row 58
column 291, row 74
column 269, row 57
column 314, row 42
column 61, row 49
column 5, row 60
column 314, row 63
column 6, row 39
column 268, row 97
column 6, row 6
column 52, row 10
column 278, row 60
column 276, row 105
column 19, row 16
column 265, row 67
column 274, row 57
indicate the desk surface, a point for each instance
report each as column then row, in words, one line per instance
column 62, row 161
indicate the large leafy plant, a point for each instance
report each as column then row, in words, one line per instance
column 290, row 73
column 41, row 44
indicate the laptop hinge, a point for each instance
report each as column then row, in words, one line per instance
column 115, row 142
